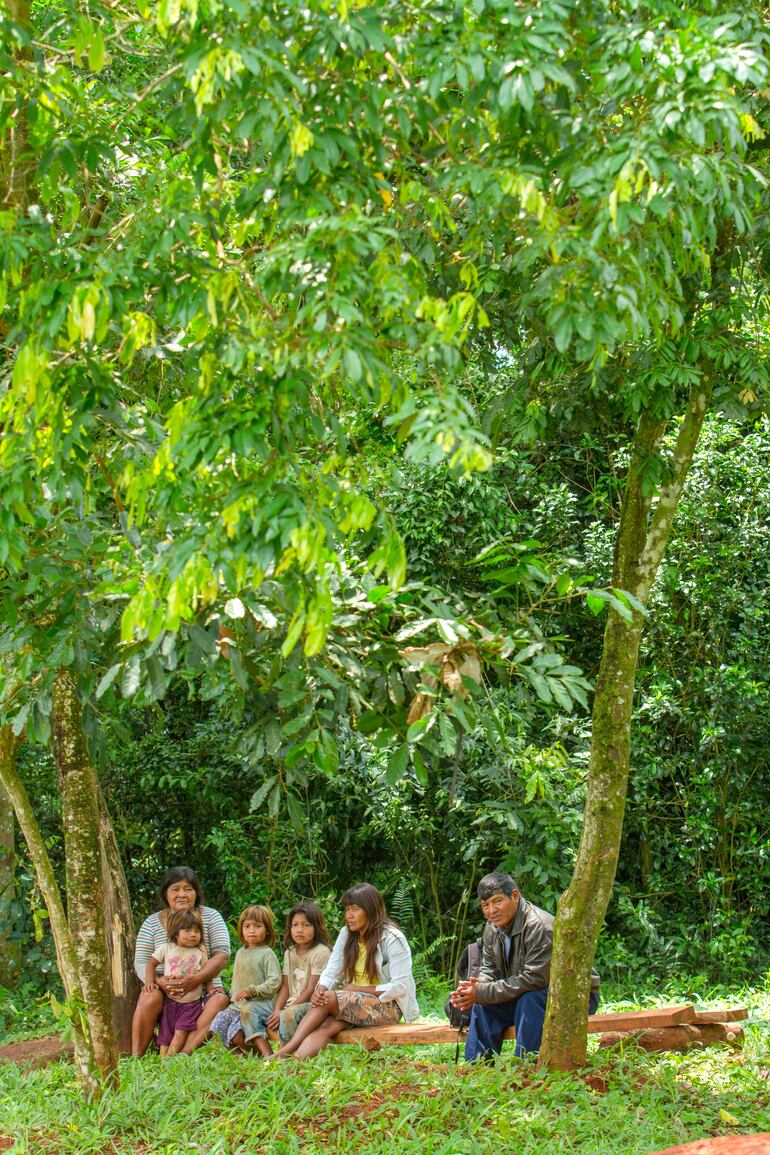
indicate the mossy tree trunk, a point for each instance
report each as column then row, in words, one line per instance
column 643, row 533
column 46, row 881
column 79, row 790
column 15, row 160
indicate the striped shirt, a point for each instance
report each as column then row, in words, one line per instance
column 152, row 935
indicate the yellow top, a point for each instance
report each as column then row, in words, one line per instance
column 360, row 976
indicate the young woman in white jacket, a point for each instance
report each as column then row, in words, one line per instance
column 372, row 961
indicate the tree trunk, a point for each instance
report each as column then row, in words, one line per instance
column 16, row 162
column 119, row 924
column 46, row 881
column 10, row 949
column 83, row 856
column 643, row 534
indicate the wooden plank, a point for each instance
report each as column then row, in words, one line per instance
column 411, row 1034
column 402, row 1034
column 731, row 1015
column 641, row 1020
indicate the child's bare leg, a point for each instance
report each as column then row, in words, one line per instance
column 312, row 1020
column 176, row 1044
column 320, row 1038
column 262, row 1046
column 163, row 1052
column 238, row 1042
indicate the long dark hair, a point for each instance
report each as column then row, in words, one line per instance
column 372, row 904
column 315, row 917
column 180, row 874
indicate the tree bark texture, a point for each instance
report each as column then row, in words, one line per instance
column 643, row 532
column 10, row 950
column 46, row 881
column 119, row 926
column 16, row 154
column 83, row 856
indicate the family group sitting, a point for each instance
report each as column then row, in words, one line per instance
column 365, row 980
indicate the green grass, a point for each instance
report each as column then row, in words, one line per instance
column 397, row 1100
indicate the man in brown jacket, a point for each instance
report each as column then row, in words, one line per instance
column 512, row 986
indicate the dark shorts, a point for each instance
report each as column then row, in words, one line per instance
column 177, row 1017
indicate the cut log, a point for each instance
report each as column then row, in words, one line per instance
column 730, row 1015
column 679, row 1038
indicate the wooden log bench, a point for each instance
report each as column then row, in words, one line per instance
column 698, row 1028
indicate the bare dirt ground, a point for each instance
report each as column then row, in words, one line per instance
column 36, row 1052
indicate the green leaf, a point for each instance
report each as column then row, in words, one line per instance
column 296, row 813
column 352, row 363
column 419, row 767
column 562, row 331
column 541, row 687
column 397, row 764
column 634, row 602
column 129, row 682
column 595, row 602
column 259, row 796
column 20, row 720
column 157, row 676
column 97, row 52
column 417, row 729
column 293, row 634
column 202, row 639
column 295, row 725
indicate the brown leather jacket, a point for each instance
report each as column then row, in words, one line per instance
column 527, row 966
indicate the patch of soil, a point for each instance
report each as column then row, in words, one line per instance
column 597, row 1083
column 725, row 1145
column 36, row 1052
column 5, row 1142
column 322, row 1124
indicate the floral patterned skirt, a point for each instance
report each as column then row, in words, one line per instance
column 361, row 1009
column 249, row 1016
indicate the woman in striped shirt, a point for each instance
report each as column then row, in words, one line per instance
column 180, row 890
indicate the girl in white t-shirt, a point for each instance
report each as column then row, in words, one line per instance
column 373, row 962
column 307, row 950
column 184, row 954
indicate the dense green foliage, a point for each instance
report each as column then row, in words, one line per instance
column 328, row 332
column 184, row 783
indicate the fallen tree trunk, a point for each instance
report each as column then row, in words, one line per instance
column 680, row 1038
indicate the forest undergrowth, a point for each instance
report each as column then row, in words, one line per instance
column 404, row 1100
